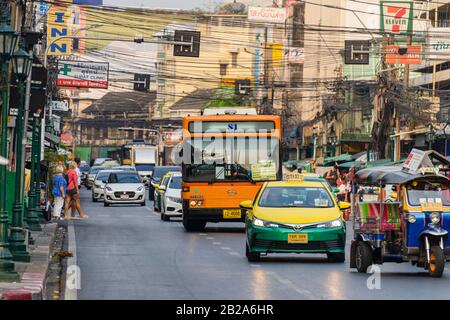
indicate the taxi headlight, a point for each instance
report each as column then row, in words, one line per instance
column 262, row 223
column 435, row 218
column 140, row 189
column 258, row 222
column 412, row 218
column 109, row 189
column 331, row 224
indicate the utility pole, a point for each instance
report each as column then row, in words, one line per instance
column 434, row 63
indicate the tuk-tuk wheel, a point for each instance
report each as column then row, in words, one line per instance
column 437, row 262
column 364, row 257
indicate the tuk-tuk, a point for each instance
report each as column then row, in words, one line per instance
column 409, row 222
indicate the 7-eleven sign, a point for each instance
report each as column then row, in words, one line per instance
column 396, row 17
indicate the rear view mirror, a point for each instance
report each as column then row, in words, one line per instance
column 344, row 205
column 246, row 204
column 336, row 190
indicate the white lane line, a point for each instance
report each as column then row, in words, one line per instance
column 255, row 266
column 291, row 285
column 233, row 253
column 71, row 290
column 202, row 234
column 210, row 238
column 225, row 248
column 217, row 243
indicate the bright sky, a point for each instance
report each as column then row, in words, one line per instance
column 179, row 4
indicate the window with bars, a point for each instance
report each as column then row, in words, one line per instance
column 223, row 69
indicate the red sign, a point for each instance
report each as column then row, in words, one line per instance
column 411, row 56
column 82, row 83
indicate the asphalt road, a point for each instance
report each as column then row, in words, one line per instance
column 128, row 252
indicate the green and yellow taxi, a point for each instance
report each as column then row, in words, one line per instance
column 295, row 216
column 159, row 190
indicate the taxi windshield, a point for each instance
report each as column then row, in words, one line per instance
column 290, row 196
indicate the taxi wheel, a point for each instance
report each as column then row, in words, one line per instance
column 364, row 258
column 336, row 257
column 94, row 199
column 251, row 256
column 106, row 204
column 165, row 217
column 437, row 262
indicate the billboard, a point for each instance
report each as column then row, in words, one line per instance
column 83, row 74
column 267, row 15
column 439, row 44
column 408, row 55
column 58, row 19
column 396, row 17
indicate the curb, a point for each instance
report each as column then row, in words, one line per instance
column 70, row 292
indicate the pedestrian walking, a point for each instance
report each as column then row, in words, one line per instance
column 73, row 192
column 59, row 191
column 76, row 199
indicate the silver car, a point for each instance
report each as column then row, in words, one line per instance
column 98, row 187
column 124, row 187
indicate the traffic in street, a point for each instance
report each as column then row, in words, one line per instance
column 128, row 252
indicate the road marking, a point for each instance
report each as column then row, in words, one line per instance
column 210, row 238
column 233, row 253
column 225, row 248
column 217, row 243
column 71, row 293
column 202, row 234
column 255, row 266
column 292, row 286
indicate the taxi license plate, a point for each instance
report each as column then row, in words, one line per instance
column 124, row 196
column 232, row 214
column 297, row 238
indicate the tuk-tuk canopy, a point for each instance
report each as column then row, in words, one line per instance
column 395, row 175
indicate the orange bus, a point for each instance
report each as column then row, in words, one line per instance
column 225, row 160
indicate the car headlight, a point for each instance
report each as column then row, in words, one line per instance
column 140, row 189
column 411, row 218
column 261, row 223
column 109, row 189
column 331, row 224
column 177, row 200
column 435, row 218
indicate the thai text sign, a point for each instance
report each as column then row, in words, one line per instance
column 398, row 55
column 396, row 17
column 296, row 55
column 58, row 31
column 268, row 15
column 412, row 163
column 439, row 43
column 83, row 74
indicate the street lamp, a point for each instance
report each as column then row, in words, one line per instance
column 8, row 40
column 22, row 63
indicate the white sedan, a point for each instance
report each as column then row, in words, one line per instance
column 124, row 187
column 171, row 204
column 98, row 187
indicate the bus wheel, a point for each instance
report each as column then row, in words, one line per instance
column 251, row 256
column 191, row 226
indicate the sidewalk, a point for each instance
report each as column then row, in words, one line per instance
column 33, row 274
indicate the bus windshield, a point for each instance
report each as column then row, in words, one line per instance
column 231, row 159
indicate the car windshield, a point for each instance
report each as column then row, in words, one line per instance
column 101, row 176
column 95, row 170
column 124, row 177
column 302, row 197
column 161, row 171
column 238, row 159
column 144, row 167
column 175, row 183
column 428, row 192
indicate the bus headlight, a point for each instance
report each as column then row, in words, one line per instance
column 435, row 218
column 193, row 203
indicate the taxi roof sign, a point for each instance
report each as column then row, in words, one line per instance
column 293, row 177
